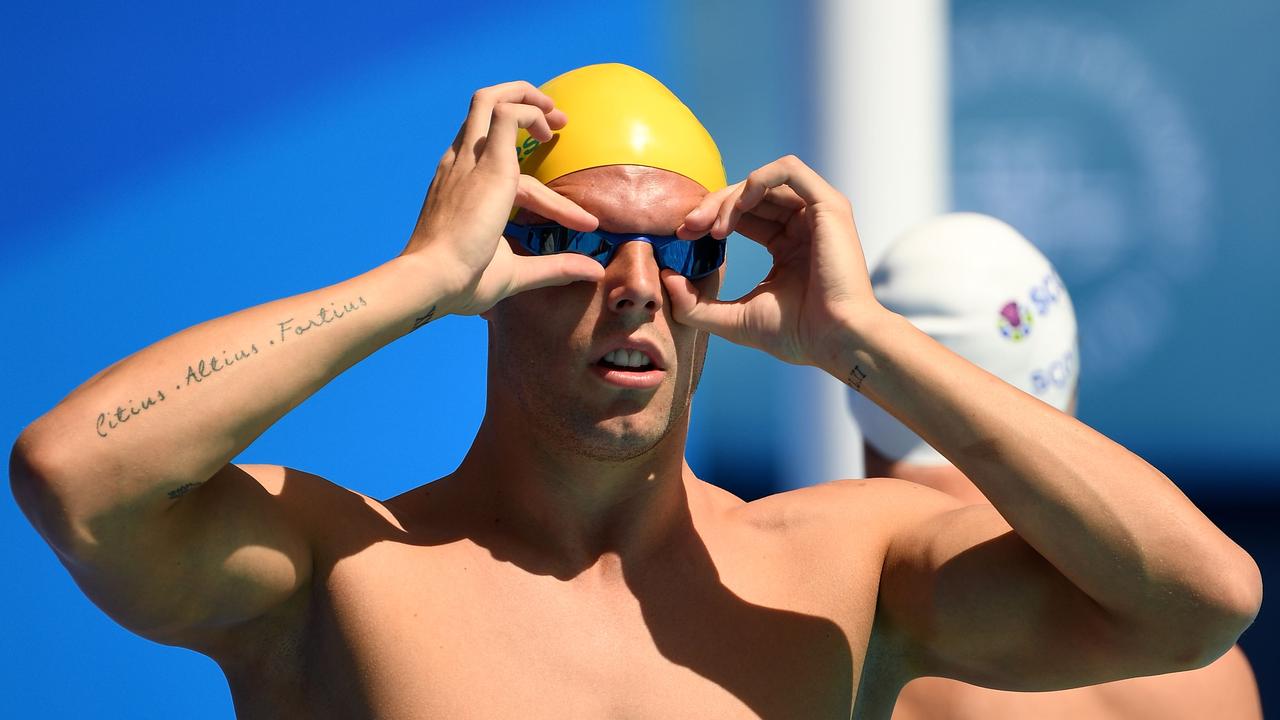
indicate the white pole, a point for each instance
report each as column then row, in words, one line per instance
column 883, row 119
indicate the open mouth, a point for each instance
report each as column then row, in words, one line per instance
column 627, row 361
column 628, row 368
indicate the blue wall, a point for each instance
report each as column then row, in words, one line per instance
column 1135, row 143
column 170, row 166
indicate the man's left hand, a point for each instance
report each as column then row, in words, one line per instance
column 818, row 284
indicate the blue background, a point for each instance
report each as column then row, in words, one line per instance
column 166, row 166
column 1135, row 144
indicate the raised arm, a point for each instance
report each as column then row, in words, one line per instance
column 127, row 478
column 1091, row 566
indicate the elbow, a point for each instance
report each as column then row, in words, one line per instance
column 35, row 477
column 1241, row 598
column 30, row 465
column 1221, row 609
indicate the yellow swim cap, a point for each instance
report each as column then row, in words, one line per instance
column 619, row 115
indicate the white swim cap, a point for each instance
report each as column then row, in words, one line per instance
column 978, row 287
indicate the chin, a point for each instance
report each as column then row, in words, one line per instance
column 619, row 429
column 622, row 437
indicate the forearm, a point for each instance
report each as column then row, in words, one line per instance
column 169, row 416
column 1111, row 523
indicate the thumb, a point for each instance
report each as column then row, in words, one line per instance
column 689, row 307
column 532, row 272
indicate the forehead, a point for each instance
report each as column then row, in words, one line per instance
column 631, row 198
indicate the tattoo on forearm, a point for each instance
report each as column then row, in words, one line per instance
column 122, row 415
column 324, row 317
column 206, row 368
column 855, row 378
column 181, row 490
column 198, row 372
column 419, row 322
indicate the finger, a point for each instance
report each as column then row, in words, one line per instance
column 777, row 205
column 776, row 213
column 532, row 272
column 727, row 215
column 783, row 196
column 734, row 210
column 556, row 119
column 698, row 221
column 789, row 171
column 690, row 308
column 534, row 196
column 760, row 230
column 500, row 144
column 479, row 116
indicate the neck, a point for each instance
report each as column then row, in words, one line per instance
column 574, row 509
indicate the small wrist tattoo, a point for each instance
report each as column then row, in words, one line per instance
column 419, row 322
column 856, row 376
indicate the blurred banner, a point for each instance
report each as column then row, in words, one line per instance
column 1135, row 144
column 1132, row 144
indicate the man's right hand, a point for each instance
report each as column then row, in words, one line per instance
column 475, row 186
column 129, row 478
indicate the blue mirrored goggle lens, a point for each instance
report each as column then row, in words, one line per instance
column 691, row 258
column 551, row 239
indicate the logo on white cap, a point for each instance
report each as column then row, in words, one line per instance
column 955, row 276
column 1015, row 322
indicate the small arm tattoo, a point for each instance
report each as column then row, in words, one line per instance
column 419, row 322
column 855, row 378
column 181, row 490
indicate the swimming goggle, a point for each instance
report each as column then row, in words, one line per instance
column 691, row 258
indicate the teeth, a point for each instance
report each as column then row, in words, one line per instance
column 627, row 358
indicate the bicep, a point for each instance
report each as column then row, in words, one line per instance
column 226, row 551
column 978, row 604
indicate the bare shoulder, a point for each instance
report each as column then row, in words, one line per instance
column 849, row 527
column 217, row 556
column 285, row 513
column 281, row 481
column 881, row 505
column 313, row 500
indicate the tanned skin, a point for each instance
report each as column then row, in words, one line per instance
column 1225, row 690
column 574, row 565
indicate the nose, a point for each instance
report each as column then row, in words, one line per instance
column 633, row 286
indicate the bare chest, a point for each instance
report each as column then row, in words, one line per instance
column 404, row 632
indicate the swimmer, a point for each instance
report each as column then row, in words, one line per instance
column 573, row 565
column 978, row 287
